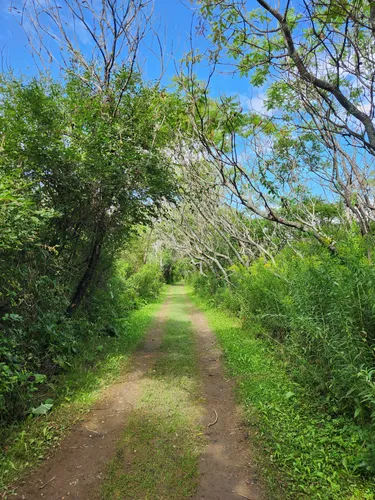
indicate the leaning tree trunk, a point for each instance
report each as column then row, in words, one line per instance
column 85, row 281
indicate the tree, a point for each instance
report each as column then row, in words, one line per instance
column 315, row 134
column 104, row 121
column 319, row 52
column 100, row 173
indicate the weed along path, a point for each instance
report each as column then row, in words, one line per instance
column 169, row 430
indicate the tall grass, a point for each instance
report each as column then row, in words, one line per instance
column 319, row 312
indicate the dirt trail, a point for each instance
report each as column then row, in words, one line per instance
column 225, row 469
column 76, row 470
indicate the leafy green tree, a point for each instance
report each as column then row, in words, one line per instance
column 96, row 165
column 317, row 54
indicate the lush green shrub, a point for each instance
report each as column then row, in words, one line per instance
column 319, row 310
column 30, row 353
column 78, row 173
column 146, row 283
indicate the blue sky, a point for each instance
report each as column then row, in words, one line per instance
column 173, row 20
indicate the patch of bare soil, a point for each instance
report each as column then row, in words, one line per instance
column 227, row 471
column 76, row 469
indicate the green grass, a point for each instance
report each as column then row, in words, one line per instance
column 158, row 454
column 310, row 453
column 73, row 393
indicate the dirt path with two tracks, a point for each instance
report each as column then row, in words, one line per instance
column 226, row 469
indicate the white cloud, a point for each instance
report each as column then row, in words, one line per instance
column 254, row 103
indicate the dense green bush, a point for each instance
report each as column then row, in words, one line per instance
column 319, row 310
column 79, row 170
column 30, row 354
column 145, row 284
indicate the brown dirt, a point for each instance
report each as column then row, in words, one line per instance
column 76, row 469
column 226, row 469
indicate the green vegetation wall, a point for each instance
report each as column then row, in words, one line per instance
column 317, row 312
column 78, row 171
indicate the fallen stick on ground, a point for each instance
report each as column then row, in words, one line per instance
column 95, row 432
column 241, row 495
column 216, row 419
column 45, row 484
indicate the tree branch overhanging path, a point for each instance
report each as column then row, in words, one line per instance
column 113, row 188
column 316, row 63
column 347, row 104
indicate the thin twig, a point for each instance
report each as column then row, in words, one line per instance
column 241, row 495
column 216, row 419
column 96, row 432
column 45, row 484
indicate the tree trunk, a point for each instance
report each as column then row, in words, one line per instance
column 88, row 274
